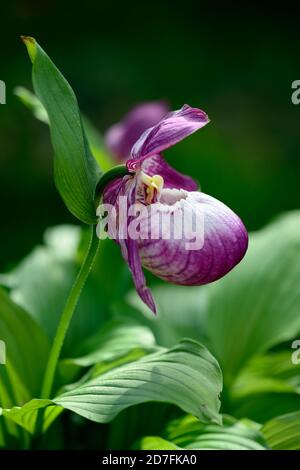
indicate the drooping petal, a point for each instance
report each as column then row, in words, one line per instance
column 126, row 186
column 121, row 137
column 135, row 266
column 157, row 165
column 173, row 128
column 225, row 241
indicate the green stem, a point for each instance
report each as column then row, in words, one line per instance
column 67, row 315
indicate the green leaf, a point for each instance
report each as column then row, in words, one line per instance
column 268, row 386
column 156, row 443
column 97, row 146
column 95, row 139
column 272, row 372
column 190, row 433
column 42, row 281
column 257, row 305
column 283, row 432
column 21, row 376
column 187, row 376
column 69, row 370
column 33, row 103
column 115, row 344
column 75, row 170
column 27, row 415
column 112, row 341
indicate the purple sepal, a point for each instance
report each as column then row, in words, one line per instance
column 121, row 137
column 173, row 128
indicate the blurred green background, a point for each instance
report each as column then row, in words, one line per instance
column 236, row 65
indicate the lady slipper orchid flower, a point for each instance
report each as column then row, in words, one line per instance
column 159, row 190
column 120, row 137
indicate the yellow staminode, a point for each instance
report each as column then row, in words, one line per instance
column 154, row 186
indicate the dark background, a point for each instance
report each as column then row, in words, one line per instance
column 236, row 64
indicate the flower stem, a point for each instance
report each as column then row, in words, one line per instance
column 67, row 315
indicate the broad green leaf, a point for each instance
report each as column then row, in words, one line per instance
column 268, row 386
column 94, row 137
column 190, row 433
column 115, row 344
column 112, row 341
column 272, row 372
column 69, row 370
column 187, row 376
column 75, row 170
column 27, row 415
column 283, row 432
column 156, row 443
column 257, row 305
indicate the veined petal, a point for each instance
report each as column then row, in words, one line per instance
column 225, row 241
column 173, row 128
column 135, row 266
column 121, row 137
column 126, row 186
column 112, row 191
column 156, row 165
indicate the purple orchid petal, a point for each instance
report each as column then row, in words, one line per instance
column 156, row 165
column 129, row 247
column 225, row 242
column 112, row 191
column 121, row 137
column 135, row 266
column 130, row 251
column 173, row 128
